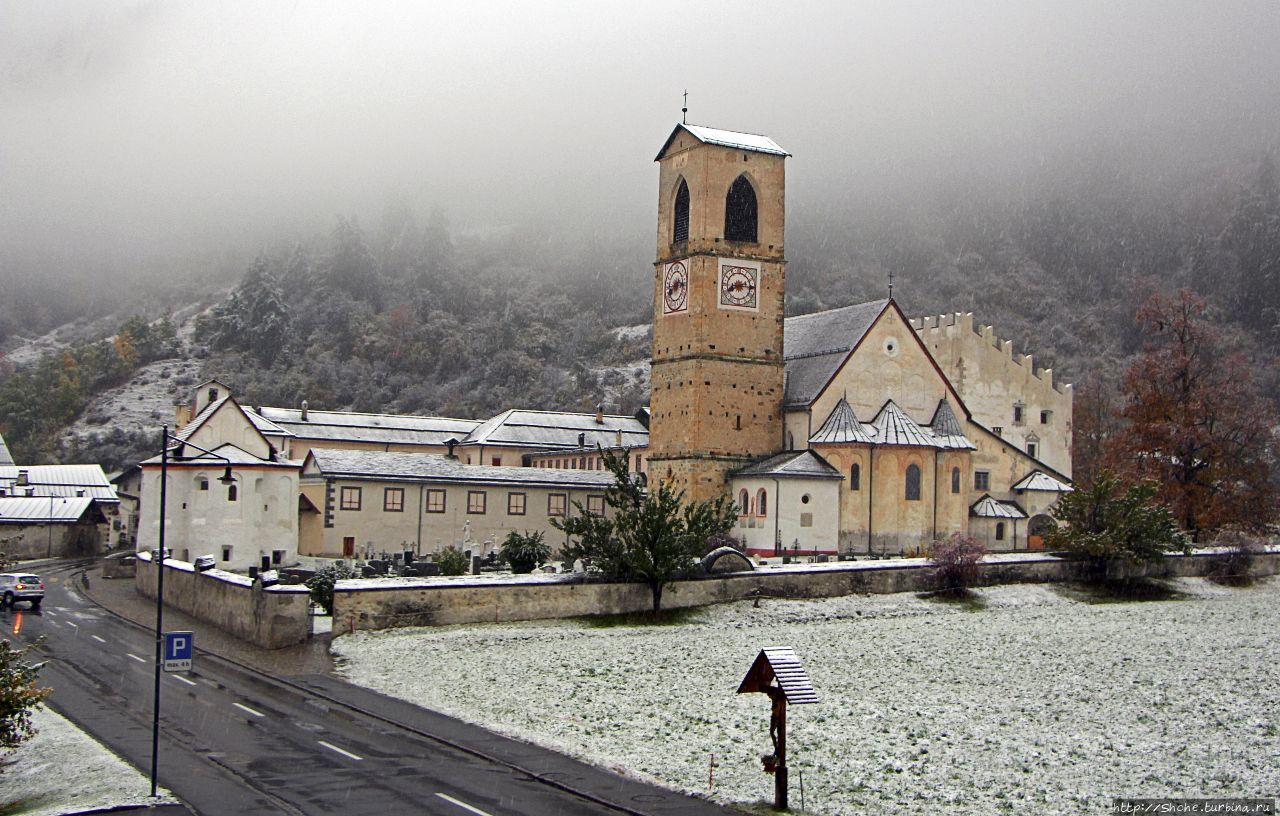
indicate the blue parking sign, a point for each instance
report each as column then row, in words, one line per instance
column 178, row 648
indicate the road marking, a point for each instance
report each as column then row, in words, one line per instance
column 49, row 614
column 244, row 708
column 95, row 637
column 73, row 623
column 188, row 682
column 135, row 657
column 463, row 805
column 335, row 748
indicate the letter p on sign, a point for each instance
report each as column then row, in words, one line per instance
column 178, row 647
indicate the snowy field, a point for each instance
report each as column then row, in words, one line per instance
column 64, row 770
column 925, row 707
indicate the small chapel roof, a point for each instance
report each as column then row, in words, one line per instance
column 816, row 345
column 841, row 427
column 801, row 464
column 1039, row 480
column 726, row 138
column 947, row 431
column 894, row 427
column 987, row 507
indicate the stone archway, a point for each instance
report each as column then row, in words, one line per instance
column 1037, row 528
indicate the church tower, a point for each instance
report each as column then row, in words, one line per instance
column 717, row 369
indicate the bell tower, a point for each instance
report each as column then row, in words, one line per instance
column 717, row 368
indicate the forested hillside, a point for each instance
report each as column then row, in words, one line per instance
column 406, row 316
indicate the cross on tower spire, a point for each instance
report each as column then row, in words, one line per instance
column 890, row 284
column 684, row 112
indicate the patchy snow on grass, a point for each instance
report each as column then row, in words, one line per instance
column 64, row 770
column 1026, row 695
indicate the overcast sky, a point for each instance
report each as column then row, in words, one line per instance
column 129, row 129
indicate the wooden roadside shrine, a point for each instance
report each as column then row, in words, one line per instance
column 780, row 664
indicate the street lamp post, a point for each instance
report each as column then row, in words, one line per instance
column 226, row 478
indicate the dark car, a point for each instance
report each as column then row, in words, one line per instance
column 21, row 586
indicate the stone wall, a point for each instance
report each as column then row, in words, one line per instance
column 271, row 618
column 388, row 603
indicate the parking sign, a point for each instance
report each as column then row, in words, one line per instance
column 178, row 648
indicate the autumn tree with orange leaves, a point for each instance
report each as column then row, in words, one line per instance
column 1194, row 420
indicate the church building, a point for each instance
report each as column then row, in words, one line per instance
column 854, row 430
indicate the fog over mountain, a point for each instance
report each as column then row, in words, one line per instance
column 140, row 138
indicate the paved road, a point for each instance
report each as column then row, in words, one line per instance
column 234, row 741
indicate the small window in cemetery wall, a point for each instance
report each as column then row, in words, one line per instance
column 226, row 552
column 595, row 505
column 515, row 504
column 476, row 501
column 393, row 500
column 349, row 499
column 913, row 483
column 556, row 504
column 981, row 480
column 435, row 501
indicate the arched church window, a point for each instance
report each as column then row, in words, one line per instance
column 955, row 480
column 762, row 502
column 855, row 476
column 744, row 503
column 913, row 483
column 232, row 493
column 999, row 531
column 740, row 212
column 681, row 229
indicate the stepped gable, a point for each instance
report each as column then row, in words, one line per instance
column 841, row 427
column 893, row 427
column 816, row 345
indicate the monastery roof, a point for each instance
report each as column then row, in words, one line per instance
column 726, row 138
column 70, row 481
column 893, row 427
column 438, row 468
column 236, row 455
column 383, row 428
column 947, row 431
column 1039, row 480
column 842, row 427
column 802, row 464
column 557, row 429
column 22, row 510
column 6, row 458
column 987, row 507
column 815, row 345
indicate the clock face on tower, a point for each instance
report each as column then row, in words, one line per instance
column 675, row 288
column 739, row 285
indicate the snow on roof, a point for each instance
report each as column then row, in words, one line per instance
column 405, row 429
column 226, row 451
column 22, row 510
column 947, row 430
column 842, row 426
column 58, row 480
column 1039, row 480
column 779, row 663
column 802, row 464
column 6, row 458
column 815, row 345
column 893, row 427
column 432, row 467
column 558, row 429
column 727, row 138
column 987, row 507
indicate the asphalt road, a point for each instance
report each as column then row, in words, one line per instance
column 233, row 741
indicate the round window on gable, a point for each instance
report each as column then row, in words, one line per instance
column 804, row 499
column 891, row 347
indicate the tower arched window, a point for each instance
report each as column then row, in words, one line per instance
column 740, row 212
column 855, row 476
column 680, row 230
column 744, row 503
column 913, row 483
column 955, row 480
column 762, row 502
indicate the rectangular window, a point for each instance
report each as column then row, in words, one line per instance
column 1017, row 415
column 226, row 552
column 475, row 501
column 1045, row 416
column 981, row 480
column 277, row 557
column 637, row 463
column 497, row 461
column 515, row 504
column 556, row 504
column 595, row 505
column 435, row 501
column 393, row 500
column 1031, row 449
column 350, row 499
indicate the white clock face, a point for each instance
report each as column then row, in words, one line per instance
column 675, row 288
column 739, row 285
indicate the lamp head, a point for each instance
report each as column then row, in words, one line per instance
column 226, row 478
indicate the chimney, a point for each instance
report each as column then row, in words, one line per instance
column 304, row 410
column 23, row 480
column 452, row 442
column 181, row 416
column 582, row 440
column 618, row 437
column 600, row 414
